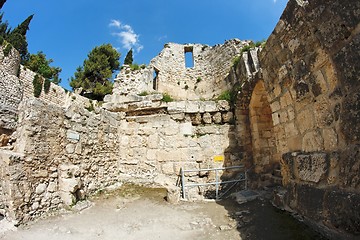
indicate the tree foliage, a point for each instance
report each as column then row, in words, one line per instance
column 16, row 37
column 95, row 76
column 39, row 64
column 2, row 2
column 129, row 58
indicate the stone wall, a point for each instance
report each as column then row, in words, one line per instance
column 205, row 79
column 16, row 85
column 10, row 90
column 63, row 155
column 130, row 81
column 310, row 74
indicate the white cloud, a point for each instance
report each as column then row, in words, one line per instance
column 275, row 1
column 126, row 35
column 115, row 23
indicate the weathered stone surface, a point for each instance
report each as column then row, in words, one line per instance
column 311, row 168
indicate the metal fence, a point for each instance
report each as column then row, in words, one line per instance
column 241, row 177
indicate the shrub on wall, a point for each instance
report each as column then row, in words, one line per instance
column 37, row 83
column 47, row 84
column 167, row 98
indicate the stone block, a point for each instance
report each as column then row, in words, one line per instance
column 207, row 118
column 311, row 167
column 217, row 118
column 41, row 188
column 186, row 129
column 312, row 141
column 305, row 120
column 176, row 107
column 330, row 139
column 223, row 105
column 167, row 168
column 210, row 106
column 228, row 117
column 192, row 107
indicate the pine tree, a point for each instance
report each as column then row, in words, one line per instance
column 2, row 2
column 23, row 27
column 17, row 38
column 129, row 57
column 95, row 76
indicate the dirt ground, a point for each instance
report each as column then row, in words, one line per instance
column 132, row 214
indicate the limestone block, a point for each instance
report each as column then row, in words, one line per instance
column 275, row 106
column 167, row 168
column 210, row 106
column 153, row 141
column 330, row 139
column 170, row 130
column 72, row 135
column 312, row 167
column 312, row 141
column 151, row 154
column 178, row 116
column 186, row 129
column 223, row 105
column 176, row 107
column 69, row 185
column 217, row 118
column 305, row 120
column 41, row 188
column 196, row 119
column 207, row 118
column 192, row 107
column 67, row 198
column 172, row 194
column 52, row 187
column 70, row 148
column 228, row 117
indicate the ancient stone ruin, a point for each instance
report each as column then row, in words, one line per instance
column 295, row 121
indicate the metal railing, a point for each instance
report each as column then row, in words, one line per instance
column 242, row 177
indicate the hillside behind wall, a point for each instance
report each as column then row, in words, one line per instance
column 311, row 76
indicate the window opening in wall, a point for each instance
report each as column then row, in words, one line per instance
column 189, row 57
column 155, row 79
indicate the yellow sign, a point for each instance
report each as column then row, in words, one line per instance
column 219, row 158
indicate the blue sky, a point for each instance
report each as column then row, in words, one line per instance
column 67, row 31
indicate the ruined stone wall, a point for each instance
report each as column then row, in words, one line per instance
column 56, row 95
column 130, row 81
column 205, row 79
column 10, row 90
column 63, row 155
column 310, row 73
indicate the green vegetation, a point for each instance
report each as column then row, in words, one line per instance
column 129, row 58
column 95, row 76
column 16, row 37
column 144, row 93
column 39, row 64
column 37, row 83
column 134, row 67
column 198, row 80
column 167, row 98
column 247, row 48
column 228, row 95
column 7, row 50
column 47, row 84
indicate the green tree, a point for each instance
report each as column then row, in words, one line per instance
column 2, row 2
column 95, row 76
column 129, row 57
column 39, row 64
column 17, row 38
